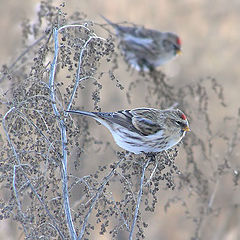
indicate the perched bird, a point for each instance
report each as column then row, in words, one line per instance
column 145, row 49
column 141, row 130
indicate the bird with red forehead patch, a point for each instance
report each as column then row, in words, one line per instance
column 145, row 49
column 183, row 117
column 143, row 130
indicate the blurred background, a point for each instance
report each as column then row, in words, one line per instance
column 209, row 32
column 210, row 36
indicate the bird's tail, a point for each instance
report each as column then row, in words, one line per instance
column 90, row 114
column 114, row 25
column 108, row 21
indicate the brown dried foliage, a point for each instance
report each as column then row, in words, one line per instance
column 32, row 168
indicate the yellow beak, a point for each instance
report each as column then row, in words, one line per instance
column 187, row 129
column 178, row 52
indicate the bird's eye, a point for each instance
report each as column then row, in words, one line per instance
column 179, row 123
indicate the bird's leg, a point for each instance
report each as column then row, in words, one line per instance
column 152, row 174
column 152, row 157
column 144, row 63
column 150, row 67
column 141, row 66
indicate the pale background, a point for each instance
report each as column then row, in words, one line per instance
column 210, row 34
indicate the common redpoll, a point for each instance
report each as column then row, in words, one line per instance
column 145, row 130
column 145, row 49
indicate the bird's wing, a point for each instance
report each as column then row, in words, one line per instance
column 141, row 33
column 140, row 120
column 137, row 38
column 138, row 44
column 146, row 120
column 122, row 118
column 142, row 41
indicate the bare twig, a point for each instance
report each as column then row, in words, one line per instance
column 26, row 178
column 128, row 183
column 139, row 198
column 211, row 200
column 78, row 80
column 95, row 198
column 61, row 123
column 121, row 214
column 24, row 53
column 62, row 127
column 152, row 174
column 17, row 197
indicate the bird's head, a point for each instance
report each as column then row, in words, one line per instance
column 172, row 43
column 176, row 121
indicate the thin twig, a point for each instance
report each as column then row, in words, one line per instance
column 79, row 70
column 152, row 174
column 128, row 183
column 24, row 53
column 62, row 127
column 94, row 199
column 46, row 209
column 17, row 198
column 75, row 89
column 211, row 200
column 121, row 214
column 26, row 178
column 36, row 127
column 139, row 198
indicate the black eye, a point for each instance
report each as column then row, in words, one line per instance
column 178, row 123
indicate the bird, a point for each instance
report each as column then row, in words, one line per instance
column 143, row 130
column 146, row 49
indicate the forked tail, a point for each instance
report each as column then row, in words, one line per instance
column 114, row 25
column 90, row 114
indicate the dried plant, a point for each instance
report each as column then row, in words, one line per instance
column 46, row 183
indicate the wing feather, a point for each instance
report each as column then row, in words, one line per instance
column 122, row 118
column 146, row 120
column 141, row 120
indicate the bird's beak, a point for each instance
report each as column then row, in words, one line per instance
column 178, row 51
column 187, row 129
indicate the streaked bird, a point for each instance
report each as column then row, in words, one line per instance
column 145, row 49
column 143, row 130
